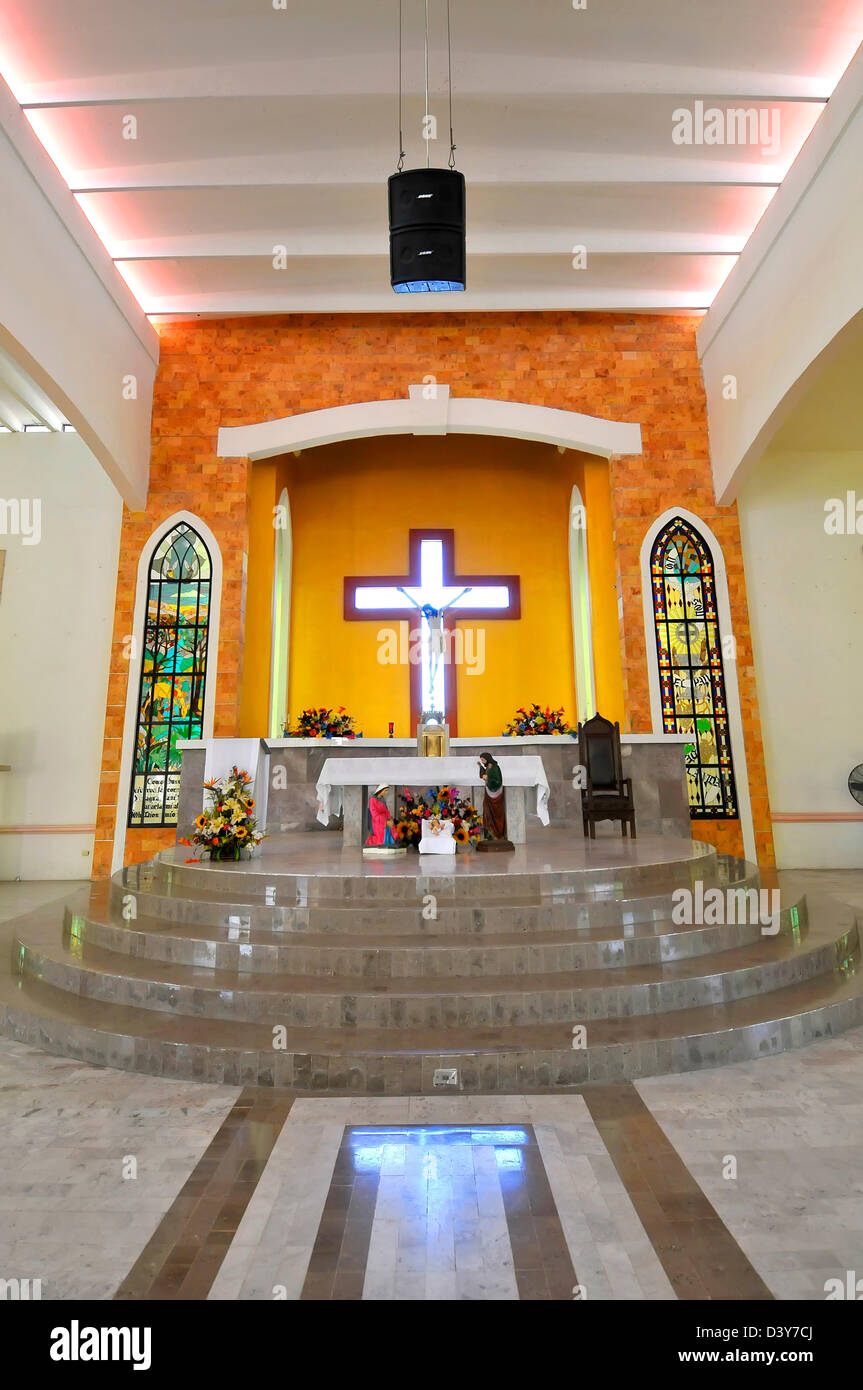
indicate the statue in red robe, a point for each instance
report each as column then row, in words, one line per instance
column 380, row 821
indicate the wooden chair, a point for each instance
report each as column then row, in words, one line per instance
column 608, row 794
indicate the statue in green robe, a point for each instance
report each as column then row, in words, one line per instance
column 494, row 800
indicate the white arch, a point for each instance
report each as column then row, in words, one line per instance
column 130, row 719
column 430, row 409
column 582, row 618
column 732, row 688
column 281, row 643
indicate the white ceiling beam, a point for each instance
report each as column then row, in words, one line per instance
column 11, row 414
column 66, row 317
column 250, row 220
column 26, row 412
column 24, row 390
column 615, row 92
column 795, row 296
column 368, row 241
column 217, row 304
column 484, row 75
column 566, row 171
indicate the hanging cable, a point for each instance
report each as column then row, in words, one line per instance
column 425, row 121
column 449, row 86
column 452, row 144
column 401, row 160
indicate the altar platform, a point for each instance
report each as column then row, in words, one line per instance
column 550, row 857
column 546, row 969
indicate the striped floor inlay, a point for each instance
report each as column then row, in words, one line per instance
column 698, row 1252
column 186, row 1250
column 423, row 1198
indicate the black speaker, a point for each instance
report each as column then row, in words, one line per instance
column 427, row 231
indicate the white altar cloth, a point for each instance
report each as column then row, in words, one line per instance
column 338, row 773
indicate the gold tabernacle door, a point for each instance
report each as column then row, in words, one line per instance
column 432, row 739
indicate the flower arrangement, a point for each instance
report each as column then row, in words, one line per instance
column 323, row 723
column 442, row 803
column 537, row 720
column 228, row 825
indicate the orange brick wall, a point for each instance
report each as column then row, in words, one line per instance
column 639, row 367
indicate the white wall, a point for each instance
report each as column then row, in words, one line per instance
column 805, row 591
column 56, row 617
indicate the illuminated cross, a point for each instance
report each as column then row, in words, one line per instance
column 439, row 597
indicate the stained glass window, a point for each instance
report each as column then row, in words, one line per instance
column 173, row 673
column 691, row 678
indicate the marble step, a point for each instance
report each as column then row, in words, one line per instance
column 403, row 1003
column 137, row 892
column 492, row 1059
column 331, row 874
column 427, row 951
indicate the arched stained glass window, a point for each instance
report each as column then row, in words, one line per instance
column 689, row 649
column 173, row 673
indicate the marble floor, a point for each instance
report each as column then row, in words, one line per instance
column 738, row 1182
column 126, row 1186
column 18, row 898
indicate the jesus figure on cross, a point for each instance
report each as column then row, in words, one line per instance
column 441, row 597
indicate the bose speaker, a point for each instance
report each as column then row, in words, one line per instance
column 427, row 231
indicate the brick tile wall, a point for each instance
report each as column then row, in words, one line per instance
column 639, row 367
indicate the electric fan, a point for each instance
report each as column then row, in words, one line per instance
column 855, row 783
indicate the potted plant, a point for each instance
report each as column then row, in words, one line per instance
column 227, row 827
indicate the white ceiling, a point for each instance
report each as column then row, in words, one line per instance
column 260, row 128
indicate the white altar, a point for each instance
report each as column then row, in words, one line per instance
column 340, row 786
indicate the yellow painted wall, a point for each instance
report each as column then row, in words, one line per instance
column 352, row 506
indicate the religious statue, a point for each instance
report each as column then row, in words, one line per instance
column 437, row 836
column 493, row 806
column 434, row 644
column 381, row 838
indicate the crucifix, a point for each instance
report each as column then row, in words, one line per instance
column 439, row 597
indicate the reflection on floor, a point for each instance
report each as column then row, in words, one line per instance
column 440, row 1212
